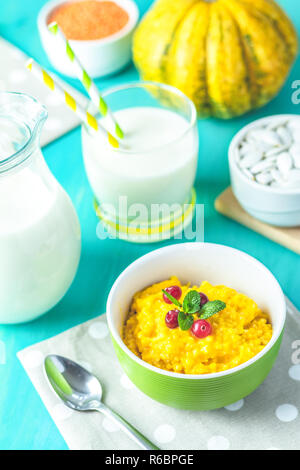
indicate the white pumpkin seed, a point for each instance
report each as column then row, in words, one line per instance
column 294, row 128
column 276, row 175
column 263, row 165
column 264, row 178
column 285, row 136
column 275, row 150
column 294, row 125
column 296, row 160
column 284, row 163
column 250, row 159
column 273, row 125
column 264, row 147
column 276, row 184
column 294, row 175
column 248, row 174
column 265, row 136
column 293, row 181
column 295, row 153
column 296, row 137
column 246, row 148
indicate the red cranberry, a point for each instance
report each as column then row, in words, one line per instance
column 201, row 328
column 172, row 319
column 204, row 299
column 175, row 291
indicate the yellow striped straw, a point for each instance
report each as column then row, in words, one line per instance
column 85, row 79
column 84, row 115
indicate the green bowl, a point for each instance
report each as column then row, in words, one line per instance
column 194, row 262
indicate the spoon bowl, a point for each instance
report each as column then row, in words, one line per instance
column 78, row 388
column 82, row 391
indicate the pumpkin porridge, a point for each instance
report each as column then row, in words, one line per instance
column 195, row 330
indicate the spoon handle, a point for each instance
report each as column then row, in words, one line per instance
column 126, row 427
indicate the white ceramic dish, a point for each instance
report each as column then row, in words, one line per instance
column 276, row 206
column 99, row 57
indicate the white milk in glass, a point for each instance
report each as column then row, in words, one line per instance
column 157, row 167
column 39, row 232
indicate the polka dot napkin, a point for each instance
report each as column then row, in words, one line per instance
column 15, row 77
column 267, row 419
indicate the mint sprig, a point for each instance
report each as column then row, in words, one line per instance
column 172, row 299
column 192, row 302
column 211, row 308
column 192, row 305
column 185, row 321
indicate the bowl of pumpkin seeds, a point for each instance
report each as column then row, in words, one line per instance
column 264, row 162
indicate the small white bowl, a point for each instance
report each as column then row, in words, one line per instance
column 275, row 206
column 99, row 57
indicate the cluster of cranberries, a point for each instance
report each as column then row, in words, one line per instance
column 200, row 328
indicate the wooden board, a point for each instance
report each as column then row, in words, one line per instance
column 228, row 205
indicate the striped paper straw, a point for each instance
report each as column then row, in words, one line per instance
column 84, row 115
column 85, row 79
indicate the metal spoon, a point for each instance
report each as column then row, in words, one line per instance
column 82, row 391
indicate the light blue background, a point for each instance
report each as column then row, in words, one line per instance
column 24, row 422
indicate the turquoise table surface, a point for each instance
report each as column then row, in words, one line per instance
column 24, row 422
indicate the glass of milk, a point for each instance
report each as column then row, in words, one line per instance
column 144, row 193
column 40, row 238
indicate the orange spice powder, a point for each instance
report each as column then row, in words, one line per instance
column 89, row 19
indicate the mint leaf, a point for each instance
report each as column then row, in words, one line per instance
column 185, row 321
column 173, row 300
column 191, row 302
column 211, row 308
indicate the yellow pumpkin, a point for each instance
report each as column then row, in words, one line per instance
column 228, row 56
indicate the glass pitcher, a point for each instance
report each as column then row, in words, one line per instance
column 40, row 239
